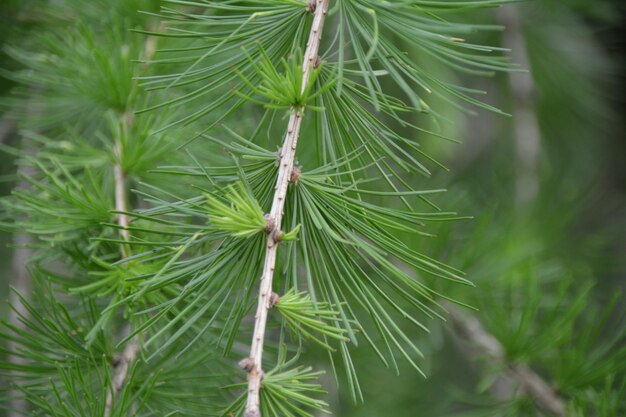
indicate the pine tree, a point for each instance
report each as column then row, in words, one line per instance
column 223, row 183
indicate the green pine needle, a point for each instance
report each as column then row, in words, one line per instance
column 309, row 319
column 286, row 393
column 237, row 212
column 283, row 90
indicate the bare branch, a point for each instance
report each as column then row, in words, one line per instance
column 286, row 166
column 518, row 379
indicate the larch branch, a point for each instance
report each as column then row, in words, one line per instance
column 319, row 8
column 120, row 198
column 518, row 379
column 120, row 373
column 131, row 351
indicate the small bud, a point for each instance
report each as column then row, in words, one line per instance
column 274, row 299
column 271, row 224
column 115, row 362
column 311, row 6
column 291, row 236
column 295, row 176
column 317, row 62
column 277, row 235
column 279, row 156
column 252, row 413
column 246, row 364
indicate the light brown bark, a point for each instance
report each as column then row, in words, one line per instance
column 286, row 166
column 131, row 350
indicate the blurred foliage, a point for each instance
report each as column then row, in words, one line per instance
column 548, row 275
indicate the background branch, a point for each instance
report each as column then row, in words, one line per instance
column 22, row 253
column 517, row 379
column 526, row 132
column 131, row 350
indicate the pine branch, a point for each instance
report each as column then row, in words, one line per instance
column 121, row 367
column 132, row 349
column 120, row 198
column 285, row 172
column 470, row 330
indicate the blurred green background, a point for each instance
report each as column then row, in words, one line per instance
column 547, row 188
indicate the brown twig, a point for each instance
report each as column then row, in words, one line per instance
column 517, row 379
column 286, row 166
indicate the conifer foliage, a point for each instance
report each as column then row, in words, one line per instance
column 223, row 183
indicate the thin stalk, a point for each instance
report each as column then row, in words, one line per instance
column 131, row 351
column 121, row 367
column 120, row 198
column 254, row 364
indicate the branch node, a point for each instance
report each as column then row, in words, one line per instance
column 311, row 6
column 274, row 299
column 246, row 364
column 295, row 176
column 279, row 156
column 271, row 224
column 276, row 235
column 115, row 361
column 317, row 61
